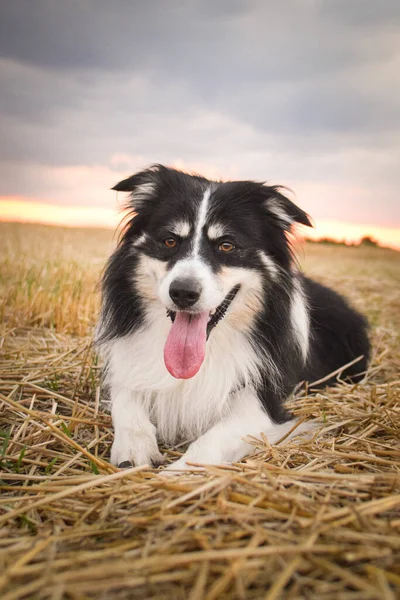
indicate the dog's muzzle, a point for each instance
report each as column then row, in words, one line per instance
column 219, row 312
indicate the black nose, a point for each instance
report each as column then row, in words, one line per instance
column 185, row 292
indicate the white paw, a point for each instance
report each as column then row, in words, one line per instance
column 195, row 454
column 135, row 447
column 179, row 467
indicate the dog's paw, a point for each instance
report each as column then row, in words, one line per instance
column 199, row 452
column 179, row 467
column 135, row 448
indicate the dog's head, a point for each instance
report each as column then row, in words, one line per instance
column 204, row 247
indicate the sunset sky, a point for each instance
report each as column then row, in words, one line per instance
column 305, row 93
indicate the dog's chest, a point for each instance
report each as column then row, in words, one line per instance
column 182, row 409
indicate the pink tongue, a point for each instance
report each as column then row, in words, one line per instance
column 186, row 344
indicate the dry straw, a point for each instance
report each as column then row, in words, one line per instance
column 308, row 518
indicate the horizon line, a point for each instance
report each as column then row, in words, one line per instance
column 40, row 213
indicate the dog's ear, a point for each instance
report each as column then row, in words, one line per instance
column 284, row 210
column 129, row 184
column 142, row 186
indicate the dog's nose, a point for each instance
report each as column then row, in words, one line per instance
column 185, row 292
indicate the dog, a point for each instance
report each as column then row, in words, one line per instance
column 207, row 324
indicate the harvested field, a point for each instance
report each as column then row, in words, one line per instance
column 309, row 518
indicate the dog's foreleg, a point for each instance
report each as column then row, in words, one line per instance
column 135, row 436
column 225, row 443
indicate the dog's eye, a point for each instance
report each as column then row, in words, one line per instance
column 226, row 247
column 170, row 242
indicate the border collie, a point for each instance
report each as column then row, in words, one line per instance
column 207, row 325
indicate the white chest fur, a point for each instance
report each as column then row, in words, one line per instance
column 181, row 409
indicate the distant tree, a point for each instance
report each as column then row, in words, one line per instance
column 365, row 241
column 368, row 241
column 326, row 241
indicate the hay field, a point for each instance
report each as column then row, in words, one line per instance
column 305, row 519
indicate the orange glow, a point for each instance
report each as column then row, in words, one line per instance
column 18, row 209
column 353, row 232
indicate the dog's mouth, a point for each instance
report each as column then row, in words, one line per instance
column 185, row 347
column 215, row 315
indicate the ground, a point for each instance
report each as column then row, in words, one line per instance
column 312, row 518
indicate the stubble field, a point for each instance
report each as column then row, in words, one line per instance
column 309, row 518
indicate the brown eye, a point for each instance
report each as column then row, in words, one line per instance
column 169, row 242
column 226, row 247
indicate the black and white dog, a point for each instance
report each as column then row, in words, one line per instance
column 207, row 325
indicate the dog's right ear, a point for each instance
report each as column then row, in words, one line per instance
column 142, row 186
column 132, row 183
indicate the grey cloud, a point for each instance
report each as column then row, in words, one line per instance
column 305, row 90
column 98, row 33
column 265, row 39
column 278, row 67
column 359, row 13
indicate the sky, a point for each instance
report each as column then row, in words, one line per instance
column 304, row 93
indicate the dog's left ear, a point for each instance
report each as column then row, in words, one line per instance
column 284, row 210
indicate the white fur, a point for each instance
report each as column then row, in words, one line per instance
column 149, row 272
column 143, row 192
column 201, row 221
column 180, row 228
column 300, row 317
column 226, row 441
column 144, row 394
column 275, row 207
column 194, row 268
column 215, row 231
column 270, row 265
column 141, row 239
column 135, row 436
column 179, row 408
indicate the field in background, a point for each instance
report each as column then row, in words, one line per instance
column 312, row 517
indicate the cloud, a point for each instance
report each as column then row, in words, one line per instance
column 303, row 93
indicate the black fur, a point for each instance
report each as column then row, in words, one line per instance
column 338, row 334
